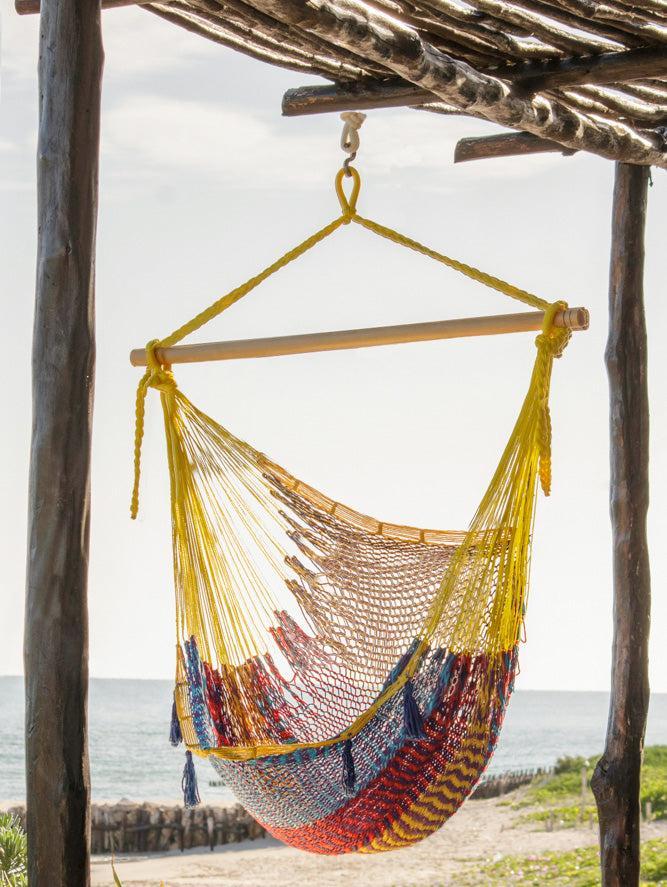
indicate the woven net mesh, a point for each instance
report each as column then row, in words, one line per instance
column 347, row 677
column 310, row 610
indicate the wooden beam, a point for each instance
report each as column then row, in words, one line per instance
column 615, row 782
column 509, row 144
column 607, row 67
column 525, row 79
column 32, row 7
column 572, row 318
column 383, row 40
column 338, row 97
column 56, row 625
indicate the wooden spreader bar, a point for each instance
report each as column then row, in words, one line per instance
column 572, row 318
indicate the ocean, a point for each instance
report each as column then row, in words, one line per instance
column 131, row 758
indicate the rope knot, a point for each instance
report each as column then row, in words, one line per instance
column 348, row 205
column 156, row 376
column 551, row 342
column 159, row 376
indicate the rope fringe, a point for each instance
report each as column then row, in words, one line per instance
column 175, row 735
column 349, row 776
column 413, row 722
column 189, row 783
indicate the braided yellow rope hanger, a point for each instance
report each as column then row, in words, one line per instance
column 506, row 504
column 156, row 376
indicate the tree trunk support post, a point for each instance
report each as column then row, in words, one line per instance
column 616, row 780
column 56, row 626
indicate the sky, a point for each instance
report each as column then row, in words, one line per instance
column 203, row 184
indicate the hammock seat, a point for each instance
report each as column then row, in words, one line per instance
column 347, row 678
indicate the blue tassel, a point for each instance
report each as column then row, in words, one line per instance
column 189, row 782
column 349, row 776
column 175, row 735
column 413, row 722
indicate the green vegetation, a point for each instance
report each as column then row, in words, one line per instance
column 559, row 794
column 561, row 790
column 565, row 817
column 576, row 868
column 563, row 784
column 568, row 764
column 13, row 852
column 654, row 780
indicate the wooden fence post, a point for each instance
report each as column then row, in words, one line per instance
column 56, row 629
column 615, row 782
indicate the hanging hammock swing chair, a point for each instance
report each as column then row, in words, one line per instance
column 346, row 677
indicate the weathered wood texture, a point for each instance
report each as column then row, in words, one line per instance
column 609, row 67
column 525, row 79
column 536, row 65
column 512, row 144
column 327, row 98
column 56, row 635
column 615, row 782
column 32, row 7
column 352, row 26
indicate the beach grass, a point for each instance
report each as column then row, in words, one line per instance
column 574, row 868
column 558, row 797
column 560, row 791
column 565, row 817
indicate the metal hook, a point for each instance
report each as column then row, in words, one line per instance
column 349, row 140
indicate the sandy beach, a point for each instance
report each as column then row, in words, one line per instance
column 480, row 831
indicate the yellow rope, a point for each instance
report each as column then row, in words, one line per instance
column 226, row 301
column 153, row 378
column 495, row 552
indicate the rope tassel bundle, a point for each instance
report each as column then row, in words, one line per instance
column 347, row 677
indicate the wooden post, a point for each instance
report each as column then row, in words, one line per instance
column 615, row 782
column 56, row 628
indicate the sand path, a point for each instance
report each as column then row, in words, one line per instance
column 481, row 830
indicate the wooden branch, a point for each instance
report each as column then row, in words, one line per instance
column 648, row 91
column 610, row 67
column 572, row 318
column 337, row 97
column 401, row 50
column 580, row 21
column 261, row 30
column 526, row 79
column 614, row 105
column 527, row 14
column 513, row 144
column 616, row 780
column 63, row 364
column 450, row 110
column 226, row 38
column 277, row 53
column 470, row 30
column 547, row 30
column 32, row 7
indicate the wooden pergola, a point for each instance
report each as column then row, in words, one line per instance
column 562, row 75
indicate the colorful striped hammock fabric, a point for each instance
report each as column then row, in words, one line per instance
column 347, row 678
